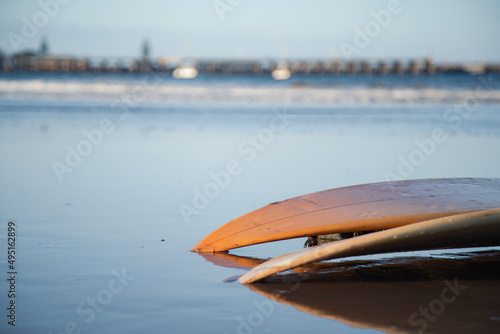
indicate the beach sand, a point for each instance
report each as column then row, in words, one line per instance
column 107, row 205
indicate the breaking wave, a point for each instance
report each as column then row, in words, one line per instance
column 138, row 91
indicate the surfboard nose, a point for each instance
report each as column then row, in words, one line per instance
column 203, row 248
column 217, row 241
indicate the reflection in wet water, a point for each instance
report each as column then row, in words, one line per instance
column 115, row 207
column 454, row 293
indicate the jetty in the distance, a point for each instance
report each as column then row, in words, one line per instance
column 24, row 62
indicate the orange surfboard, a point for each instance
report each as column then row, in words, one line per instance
column 481, row 228
column 368, row 207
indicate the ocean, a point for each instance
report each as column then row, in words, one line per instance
column 110, row 179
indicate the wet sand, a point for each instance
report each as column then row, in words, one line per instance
column 106, row 250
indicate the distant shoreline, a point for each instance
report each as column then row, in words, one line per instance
column 32, row 62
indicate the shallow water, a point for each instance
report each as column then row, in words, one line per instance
column 102, row 245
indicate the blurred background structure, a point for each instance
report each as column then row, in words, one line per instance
column 42, row 60
column 221, row 36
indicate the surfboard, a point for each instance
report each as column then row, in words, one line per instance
column 368, row 207
column 481, row 228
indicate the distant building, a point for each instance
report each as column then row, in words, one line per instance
column 145, row 50
column 44, row 47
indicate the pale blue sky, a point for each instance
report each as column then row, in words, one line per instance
column 448, row 30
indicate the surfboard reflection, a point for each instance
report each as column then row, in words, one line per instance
column 454, row 294
column 232, row 261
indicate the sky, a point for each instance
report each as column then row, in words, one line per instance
column 447, row 30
